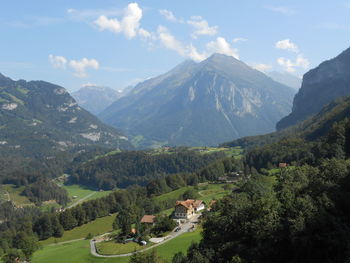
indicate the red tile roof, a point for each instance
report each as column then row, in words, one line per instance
column 190, row 202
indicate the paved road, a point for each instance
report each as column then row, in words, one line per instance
column 184, row 228
column 81, row 200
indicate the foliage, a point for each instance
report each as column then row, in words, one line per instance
column 303, row 218
column 146, row 257
column 127, row 168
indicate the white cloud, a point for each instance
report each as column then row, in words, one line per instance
column 105, row 23
column 262, row 67
column 80, row 66
column 195, row 55
column 128, row 25
column 58, row 61
column 170, row 16
column 284, row 10
column 239, row 39
column 171, row 43
column 291, row 66
column 201, row 27
column 220, row 45
column 144, row 33
column 287, row 45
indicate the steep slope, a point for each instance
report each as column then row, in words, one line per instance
column 330, row 80
column 216, row 100
column 38, row 118
column 95, row 98
column 310, row 129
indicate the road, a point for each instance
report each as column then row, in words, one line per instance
column 184, row 228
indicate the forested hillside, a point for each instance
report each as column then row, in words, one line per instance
column 127, row 168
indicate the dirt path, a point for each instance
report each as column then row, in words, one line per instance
column 81, row 200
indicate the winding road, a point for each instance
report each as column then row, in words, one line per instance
column 184, row 228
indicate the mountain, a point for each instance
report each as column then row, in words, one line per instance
column 313, row 128
column 286, row 79
column 216, row 100
column 38, row 118
column 96, row 98
column 321, row 85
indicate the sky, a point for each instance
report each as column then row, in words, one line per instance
column 118, row 43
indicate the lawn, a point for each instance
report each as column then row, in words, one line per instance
column 74, row 252
column 96, row 227
column 113, row 248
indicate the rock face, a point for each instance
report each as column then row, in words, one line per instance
column 95, row 98
column 214, row 101
column 329, row 81
column 38, row 117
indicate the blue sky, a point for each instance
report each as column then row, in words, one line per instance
column 117, row 43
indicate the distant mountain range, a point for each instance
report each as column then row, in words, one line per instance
column 96, row 98
column 286, row 79
column 217, row 100
column 38, row 118
column 321, row 85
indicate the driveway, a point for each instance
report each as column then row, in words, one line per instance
column 186, row 227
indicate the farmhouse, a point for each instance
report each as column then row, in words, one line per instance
column 186, row 209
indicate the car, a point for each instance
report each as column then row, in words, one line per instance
column 177, row 229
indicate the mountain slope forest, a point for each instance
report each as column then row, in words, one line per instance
column 39, row 119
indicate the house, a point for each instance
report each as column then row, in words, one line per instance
column 186, row 209
column 148, row 219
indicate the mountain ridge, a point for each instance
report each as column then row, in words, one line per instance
column 190, row 103
column 38, row 118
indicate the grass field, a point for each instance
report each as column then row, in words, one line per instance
column 77, row 193
column 79, row 251
column 15, row 195
column 113, row 248
column 99, row 226
column 207, row 192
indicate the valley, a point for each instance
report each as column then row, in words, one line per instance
column 174, row 132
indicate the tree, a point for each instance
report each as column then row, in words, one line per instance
column 190, row 194
column 146, row 257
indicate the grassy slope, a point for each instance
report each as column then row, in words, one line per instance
column 15, row 195
column 80, row 192
column 96, row 227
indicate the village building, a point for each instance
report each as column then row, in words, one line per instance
column 186, row 209
column 148, row 219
